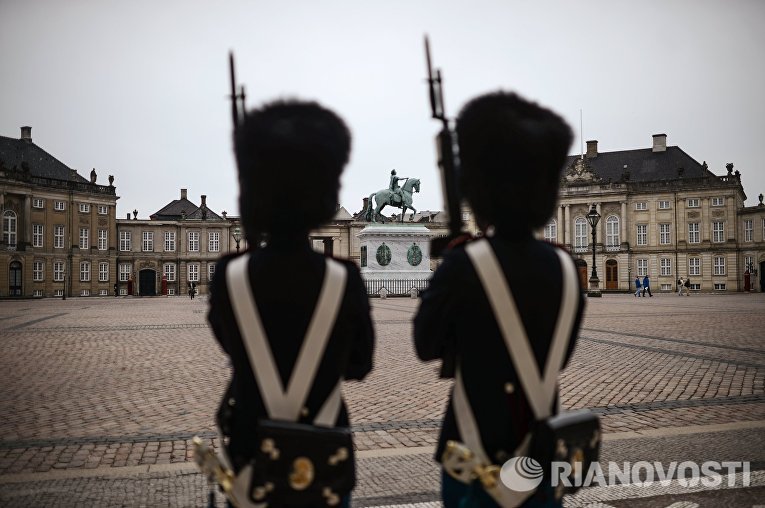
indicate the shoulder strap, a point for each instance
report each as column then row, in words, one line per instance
column 540, row 391
column 281, row 404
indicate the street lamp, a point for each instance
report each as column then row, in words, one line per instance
column 593, row 217
column 237, row 237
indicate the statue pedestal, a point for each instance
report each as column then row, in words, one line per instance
column 395, row 257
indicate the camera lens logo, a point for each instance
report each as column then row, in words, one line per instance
column 521, row 474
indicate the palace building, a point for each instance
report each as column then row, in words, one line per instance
column 58, row 228
column 662, row 214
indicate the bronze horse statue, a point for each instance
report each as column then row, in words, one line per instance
column 387, row 197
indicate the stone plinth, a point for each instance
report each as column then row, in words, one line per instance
column 395, row 252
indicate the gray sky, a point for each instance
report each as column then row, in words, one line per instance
column 138, row 89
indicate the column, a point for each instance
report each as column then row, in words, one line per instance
column 623, row 223
column 567, row 225
column 600, row 226
column 559, row 232
column 27, row 220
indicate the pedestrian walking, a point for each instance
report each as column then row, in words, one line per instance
column 680, row 283
column 687, row 286
column 647, row 286
column 638, row 290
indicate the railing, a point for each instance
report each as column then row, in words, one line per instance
column 395, row 287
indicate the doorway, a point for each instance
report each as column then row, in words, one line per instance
column 581, row 268
column 147, row 282
column 612, row 274
column 14, row 279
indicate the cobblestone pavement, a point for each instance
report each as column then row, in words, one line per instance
column 101, row 396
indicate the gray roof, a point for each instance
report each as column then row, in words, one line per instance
column 644, row 165
column 20, row 153
column 174, row 211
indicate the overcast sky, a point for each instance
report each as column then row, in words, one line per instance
column 138, row 89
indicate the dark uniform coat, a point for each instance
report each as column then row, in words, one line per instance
column 455, row 322
column 286, row 278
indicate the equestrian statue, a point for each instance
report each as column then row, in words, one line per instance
column 399, row 197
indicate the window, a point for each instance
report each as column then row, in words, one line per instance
column 642, row 234
column 85, row 271
column 169, row 241
column 748, row 262
column 694, row 266
column 9, row 228
column 612, row 231
column 103, row 292
column 37, row 292
column 210, row 271
column 693, row 232
column 58, row 271
column 84, row 233
column 37, row 235
column 125, row 271
column 103, row 210
column 580, row 233
column 642, row 267
column 103, row 239
column 719, row 286
column 125, row 241
column 666, row 287
column 58, row 236
column 666, row 266
column 718, row 232
column 171, row 291
column 38, row 271
column 748, row 229
column 193, row 241
column 719, row 265
column 193, row 272
column 664, row 234
column 59, row 205
column 85, row 292
column 38, row 203
column 58, row 292
column 84, row 208
column 718, row 201
column 693, row 203
column 169, row 270
column 551, row 231
column 642, row 205
column 103, row 271
column 663, row 205
column 148, row 241
column 695, row 287
column 214, row 241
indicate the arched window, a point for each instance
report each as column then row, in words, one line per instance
column 9, row 228
column 612, row 231
column 580, row 233
column 551, row 231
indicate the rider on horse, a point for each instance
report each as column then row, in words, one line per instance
column 394, row 188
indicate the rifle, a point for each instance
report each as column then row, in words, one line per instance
column 448, row 159
column 254, row 242
column 234, row 96
column 449, row 164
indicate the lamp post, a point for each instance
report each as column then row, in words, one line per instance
column 593, row 217
column 237, row 237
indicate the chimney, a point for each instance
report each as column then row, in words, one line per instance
column 26, row 134
column 128, row 216
column 183, row 194
column 659, row 142
column 204, row 201
column 592, row 149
